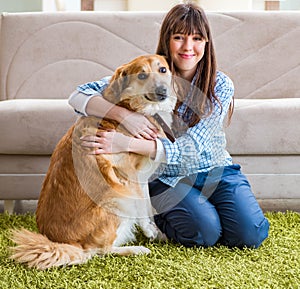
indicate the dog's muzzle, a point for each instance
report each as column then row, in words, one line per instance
column 161, row 93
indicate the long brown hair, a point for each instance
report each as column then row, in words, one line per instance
column 188, row 19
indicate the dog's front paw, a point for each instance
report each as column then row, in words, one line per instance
column 130, row 250
column 149, row 229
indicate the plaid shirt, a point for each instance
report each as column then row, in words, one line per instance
column 201, row 147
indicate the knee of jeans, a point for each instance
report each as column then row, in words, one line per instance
column 199, row 236
column 212, row 237
column 257, row 234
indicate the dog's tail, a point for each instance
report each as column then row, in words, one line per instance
column 36, row 250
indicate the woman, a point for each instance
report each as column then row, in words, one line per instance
column 200, row 196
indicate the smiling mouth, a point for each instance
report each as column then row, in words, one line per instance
column 186, row 55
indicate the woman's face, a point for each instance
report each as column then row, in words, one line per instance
column 186, row 51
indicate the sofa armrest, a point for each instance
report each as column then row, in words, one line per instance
column 265, row 127
column 33, row 126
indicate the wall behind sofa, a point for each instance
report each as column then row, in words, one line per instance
column 20, row 5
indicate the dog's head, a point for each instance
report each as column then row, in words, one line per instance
column 143, row 85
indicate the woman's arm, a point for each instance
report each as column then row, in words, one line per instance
column 95, row 105
column 114, row 142
column 87, row 100
column 187, row 150
column 100, row 107
column 80, row 98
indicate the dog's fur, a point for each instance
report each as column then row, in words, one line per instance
column 90, row 204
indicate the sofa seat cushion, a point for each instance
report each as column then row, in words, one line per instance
column 265, row 127
column 33, row 126
column 258, row 126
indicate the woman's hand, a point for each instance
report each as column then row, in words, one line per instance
column 108, row 142
column 111, row 141
column 139, row 126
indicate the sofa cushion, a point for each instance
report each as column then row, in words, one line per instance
column 33, row 126
column 265, row 127
column 258, row 126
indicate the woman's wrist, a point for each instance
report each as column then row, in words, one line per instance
column 119, row 113
column 143, row 147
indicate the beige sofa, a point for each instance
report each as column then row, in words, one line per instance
column 44, row 56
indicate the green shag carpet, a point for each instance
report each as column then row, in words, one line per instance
column 276, row 264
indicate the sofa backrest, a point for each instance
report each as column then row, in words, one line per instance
column 46, row 55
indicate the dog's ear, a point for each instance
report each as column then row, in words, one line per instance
column 118, row 83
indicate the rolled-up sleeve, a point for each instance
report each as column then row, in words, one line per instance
column 160, row 156
column 79, row 101
column 83, row 93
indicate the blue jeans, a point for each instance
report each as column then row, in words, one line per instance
column 207, row 208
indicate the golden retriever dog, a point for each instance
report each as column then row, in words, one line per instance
column 91, row 204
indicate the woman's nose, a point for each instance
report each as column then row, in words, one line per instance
column 188, row 44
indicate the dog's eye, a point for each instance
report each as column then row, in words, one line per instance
column 162, row 70
column 142, row 76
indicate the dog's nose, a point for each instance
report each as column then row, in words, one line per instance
column 161, row 92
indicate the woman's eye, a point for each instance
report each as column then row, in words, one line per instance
column 142, row 76
column 177, row 37
column 162, row 70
